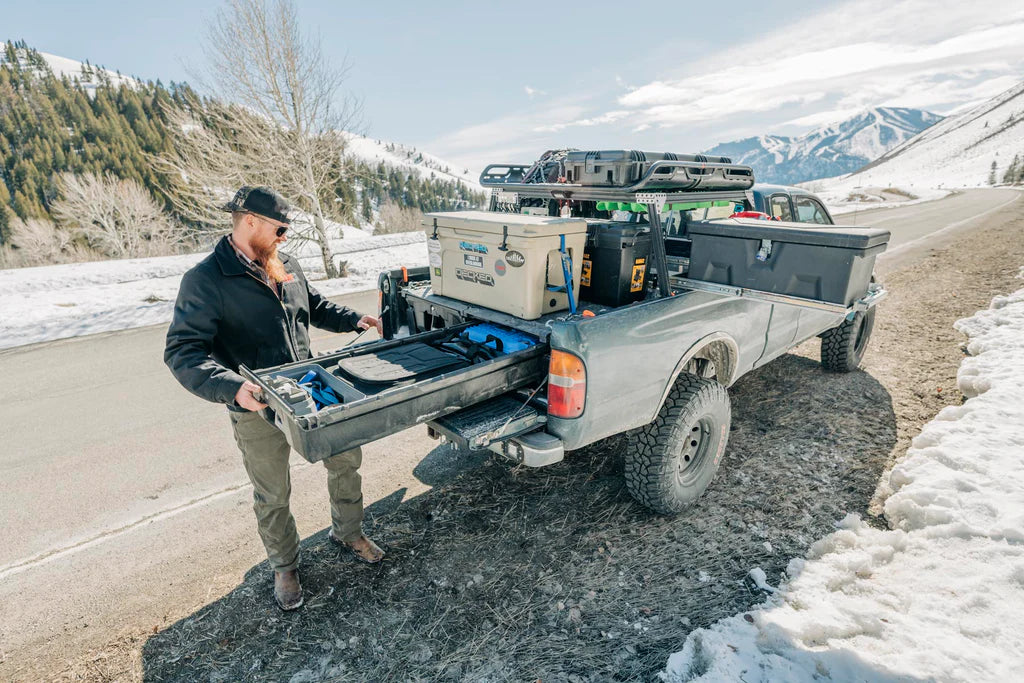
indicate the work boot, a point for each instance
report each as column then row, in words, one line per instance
column 288, row 590
column 363, row 548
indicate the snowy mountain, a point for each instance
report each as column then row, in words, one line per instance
column 89, row 77
column 830, row 150
column 959, row 151
column 409, row 158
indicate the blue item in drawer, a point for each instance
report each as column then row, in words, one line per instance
column 511, row 340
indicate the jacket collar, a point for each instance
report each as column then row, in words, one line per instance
column 228, row 260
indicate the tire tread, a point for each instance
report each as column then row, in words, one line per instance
column 649, row 454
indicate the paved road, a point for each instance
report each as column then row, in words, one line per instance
column 124, row 502
column 920, row 227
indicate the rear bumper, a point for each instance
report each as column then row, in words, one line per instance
column 535, row 449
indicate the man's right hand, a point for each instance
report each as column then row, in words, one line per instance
column 246, row 397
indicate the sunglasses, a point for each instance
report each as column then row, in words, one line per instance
column 280, row 229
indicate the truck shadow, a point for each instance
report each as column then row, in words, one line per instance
column 507, row 574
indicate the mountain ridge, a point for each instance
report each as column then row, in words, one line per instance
column 975, row 148
column 830, row 150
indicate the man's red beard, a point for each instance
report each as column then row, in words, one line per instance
column 266, row 256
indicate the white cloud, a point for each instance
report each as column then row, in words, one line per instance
column 820, row 118
column 505, row 139
column 608, row 117
column 531, row 92
column 930, row 54
column 862, row 73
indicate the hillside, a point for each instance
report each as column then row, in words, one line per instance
column 84, row 75
column 397, row 155
column 62, row 116
column 970, row 149
column 829, row 150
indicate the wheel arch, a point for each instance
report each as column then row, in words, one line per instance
column 718, row 347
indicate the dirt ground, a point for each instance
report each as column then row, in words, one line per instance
column 555, row 574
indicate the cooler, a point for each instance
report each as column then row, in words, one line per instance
column 830, row 264
column 506, row 262
column 615, row 263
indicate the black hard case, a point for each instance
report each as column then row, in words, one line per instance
column 617, row 259
column 831, row 264
column 624, row 167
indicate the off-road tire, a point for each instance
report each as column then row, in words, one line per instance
column 843, row 347
column 670, row 461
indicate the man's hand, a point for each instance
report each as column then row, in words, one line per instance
column 246, row 397
column 368, row 321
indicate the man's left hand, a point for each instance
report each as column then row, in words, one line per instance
column 368, row 321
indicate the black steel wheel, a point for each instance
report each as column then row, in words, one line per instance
column 671, row 461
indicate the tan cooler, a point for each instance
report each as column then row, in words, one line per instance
column 504, row 261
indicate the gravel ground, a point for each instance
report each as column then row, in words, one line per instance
column 555, row 574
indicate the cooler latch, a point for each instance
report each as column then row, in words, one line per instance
column 765, row 252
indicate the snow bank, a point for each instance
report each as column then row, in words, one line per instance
column 56, row 302
column 849, row 199
column 939, row 595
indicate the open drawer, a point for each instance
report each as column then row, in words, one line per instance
column 384, row 387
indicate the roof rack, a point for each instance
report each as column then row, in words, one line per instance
column 669, row 176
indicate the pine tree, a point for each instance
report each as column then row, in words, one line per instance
column 992, row 174
column 1010, row 176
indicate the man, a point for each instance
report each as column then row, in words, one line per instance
column 247, row 304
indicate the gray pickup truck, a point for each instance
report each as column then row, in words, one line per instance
column 713, row 286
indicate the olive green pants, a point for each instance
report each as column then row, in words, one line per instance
column 265, row 455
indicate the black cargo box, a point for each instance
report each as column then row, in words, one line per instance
column 615, row 263
column 830, row 264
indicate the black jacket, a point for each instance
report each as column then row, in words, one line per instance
column 226, row 316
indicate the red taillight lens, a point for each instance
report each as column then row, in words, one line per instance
column 567, row 385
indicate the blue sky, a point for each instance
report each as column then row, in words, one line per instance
column 476, row 81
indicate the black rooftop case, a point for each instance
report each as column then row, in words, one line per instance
column 828, row 264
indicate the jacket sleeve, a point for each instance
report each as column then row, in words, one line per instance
column 190, row 337
column 328, row 315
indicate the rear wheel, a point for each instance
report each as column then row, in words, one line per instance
column 671, row 461
column 843, row 347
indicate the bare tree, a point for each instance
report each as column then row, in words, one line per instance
column 261, row 61
column 394, row 217
column 116, row 217
column 38, row 242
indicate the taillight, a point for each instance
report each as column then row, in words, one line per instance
column 567, row 385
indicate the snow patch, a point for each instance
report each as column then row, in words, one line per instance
column 410, row 159
column 56, row 302
column 939, row 595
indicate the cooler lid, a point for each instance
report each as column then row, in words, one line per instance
column 838, row 236
column 495, row 222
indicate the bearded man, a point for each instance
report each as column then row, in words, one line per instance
column 248, row 304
